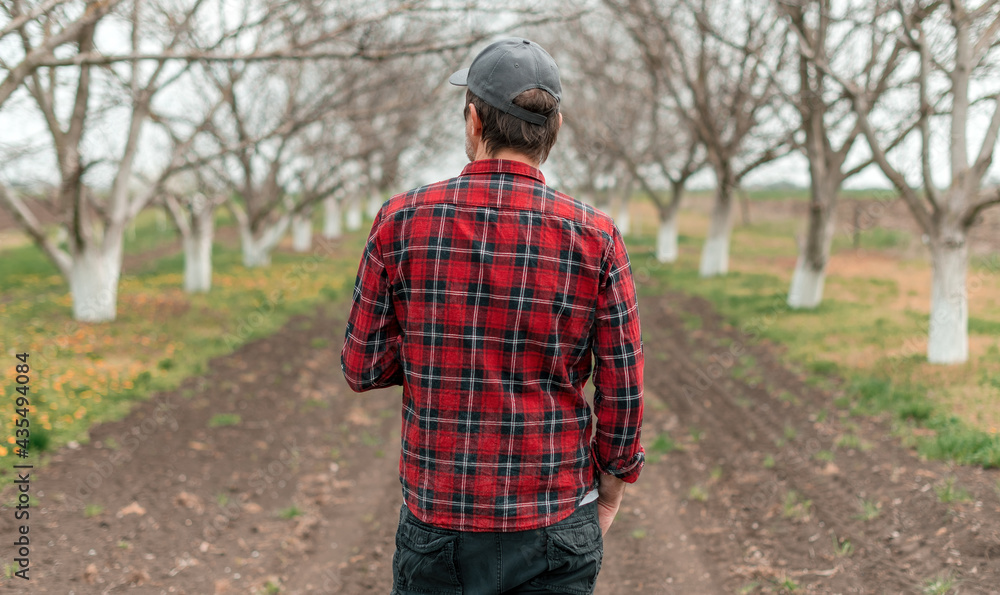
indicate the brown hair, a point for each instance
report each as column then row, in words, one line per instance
column 504, row 131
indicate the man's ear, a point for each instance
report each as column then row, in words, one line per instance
column 474, row 121
column 560, row 120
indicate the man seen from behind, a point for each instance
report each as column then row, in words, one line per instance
column 490, row 297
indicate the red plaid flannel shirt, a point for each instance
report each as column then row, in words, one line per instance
column 485, row 296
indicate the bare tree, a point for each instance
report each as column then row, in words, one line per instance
column 96, row 221
column 956, row 47
column 618, row 110
column 828, row 127
column 713, row 60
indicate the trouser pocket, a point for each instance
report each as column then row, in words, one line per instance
column 424, row 561
column 574, row 551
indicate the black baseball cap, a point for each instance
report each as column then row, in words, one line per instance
column 507, row 68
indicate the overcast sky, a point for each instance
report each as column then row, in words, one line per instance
column 24, row 134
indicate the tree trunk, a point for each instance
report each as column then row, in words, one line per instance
column 93, row 284
column 715, row 253
column 374, row 204
column 333, row 225
column 948, row 342
column 302, row 232
column 354, row 219
column 257, row 246
column 666, row 237
column 810, row 270
column 624, row 220
column 198, row 251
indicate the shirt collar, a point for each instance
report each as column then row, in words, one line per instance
column 502, row 166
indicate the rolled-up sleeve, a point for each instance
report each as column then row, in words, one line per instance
column 617, row 348
column 370, row 357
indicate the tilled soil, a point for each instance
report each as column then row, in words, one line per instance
column 302, row 495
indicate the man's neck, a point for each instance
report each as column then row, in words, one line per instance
column 508, row 155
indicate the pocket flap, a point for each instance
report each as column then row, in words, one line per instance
column 579, row 539
column 422, row 540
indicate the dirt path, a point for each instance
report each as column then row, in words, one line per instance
column 302, row 493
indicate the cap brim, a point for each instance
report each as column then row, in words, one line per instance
column 460, row 78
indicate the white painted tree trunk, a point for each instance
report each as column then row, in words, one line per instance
column 666, row 239
column 809, row 277
column 624, row 220
column 354, row 219
column 253, row 253
column 93, row 284
column 257, row 248
column 302, row 232
column 333, row 219
column 715, row 252
column 948, row 342
column 198, row 252
column 807, row 285
column 374, row 204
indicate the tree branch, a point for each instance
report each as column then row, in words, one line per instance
column 43, row 53
column 30, row 224
column 909, row 195
column 989, row 198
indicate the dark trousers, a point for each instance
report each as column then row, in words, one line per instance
column 561, row 558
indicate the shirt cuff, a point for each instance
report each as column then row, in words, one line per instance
column 626, row 470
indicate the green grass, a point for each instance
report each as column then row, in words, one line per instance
column 221, row 420
column 978, row 326
column 948, row 492
column 875, row 238
column 869, row 510
column 843, row 548
column 850, row 441
column 939, row 585
column 661, row 446
column 785, row 585
column 698, row 493
column 290, row 513
column 824, row 455
column 795, row 507
column 952, row 439
column 92, row 510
